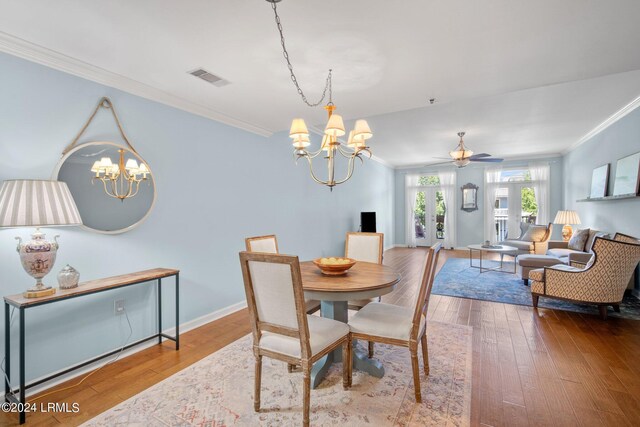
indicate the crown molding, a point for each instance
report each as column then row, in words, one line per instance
column 49, row 58
column 605, row 124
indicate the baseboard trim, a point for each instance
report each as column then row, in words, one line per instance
column 184, row 327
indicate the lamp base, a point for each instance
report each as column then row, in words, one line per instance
column 37, row 293
column 567, row 232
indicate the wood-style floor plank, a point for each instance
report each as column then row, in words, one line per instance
column 529, row 367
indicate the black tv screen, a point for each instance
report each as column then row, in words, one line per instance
column 368, row 222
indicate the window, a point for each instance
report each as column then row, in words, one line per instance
column 515, row 202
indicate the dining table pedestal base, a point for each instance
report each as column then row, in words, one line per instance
column 338, row 310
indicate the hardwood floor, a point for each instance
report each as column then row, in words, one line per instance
column 530, row 367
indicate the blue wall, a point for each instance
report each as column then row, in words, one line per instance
column 619, row 140
column 216, row 186
column 471, row 224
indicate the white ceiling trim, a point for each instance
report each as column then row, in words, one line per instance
column 47, row 57
column 602, row 126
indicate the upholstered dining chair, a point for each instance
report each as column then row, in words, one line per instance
column 602, row 281
column 281, row 327
column 269, row 244
column 365, row 247
column 401, row 326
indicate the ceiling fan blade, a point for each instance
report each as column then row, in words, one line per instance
column 440, row 163
column 491, row 160
column 479, row 155
column 442, row 158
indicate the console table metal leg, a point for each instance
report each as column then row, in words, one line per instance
column 7, row 353
column 22, row 367
column 178, row 311
column 160, row 311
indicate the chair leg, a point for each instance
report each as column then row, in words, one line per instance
column 616, row 308
column 416, row 373
column 603, row 311
column 425, row 353
column 306, row 385
column 370, row 349
column 526, row 281
column 346, row 364
column 257, row 383
column 535, row 299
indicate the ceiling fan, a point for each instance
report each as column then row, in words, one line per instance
column 462, row 156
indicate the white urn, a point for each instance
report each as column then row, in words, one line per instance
column 37, row 257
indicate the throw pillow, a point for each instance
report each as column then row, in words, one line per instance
column 579, row 240
column 535, row 233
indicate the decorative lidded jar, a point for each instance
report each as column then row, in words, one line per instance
column 68, row 277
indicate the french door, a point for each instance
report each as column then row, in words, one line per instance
column 429, row 216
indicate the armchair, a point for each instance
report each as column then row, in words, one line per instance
column 602, row 281
column 533, row 239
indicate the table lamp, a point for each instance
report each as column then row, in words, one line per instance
column 567, row 218
column 37, row 203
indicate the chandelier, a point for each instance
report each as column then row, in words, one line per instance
column 356, row 144
column 120, row 180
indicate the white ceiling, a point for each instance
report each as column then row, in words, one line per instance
column 499, row 68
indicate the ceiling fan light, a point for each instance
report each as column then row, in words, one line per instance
column 298, row 127
column 335, row 126
column 362, row 130
column 456, row 155
column 467, row 153
column 462, row 162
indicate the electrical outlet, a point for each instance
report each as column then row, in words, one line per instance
column 118, row 306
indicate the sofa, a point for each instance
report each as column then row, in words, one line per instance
column 558, row 252
column 560, row 249
column 533, row 239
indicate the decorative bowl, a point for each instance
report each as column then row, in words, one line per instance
column 334, row 266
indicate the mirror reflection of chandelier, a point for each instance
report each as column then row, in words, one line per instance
column 356, row 144
column 120, row 180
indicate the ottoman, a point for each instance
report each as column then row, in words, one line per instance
column 528, row 262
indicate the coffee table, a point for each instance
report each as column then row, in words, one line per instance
column 499, row 249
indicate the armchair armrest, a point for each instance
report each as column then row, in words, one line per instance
column 558, row 244
column 577, row 264
column 581, row 257
column 540, row 248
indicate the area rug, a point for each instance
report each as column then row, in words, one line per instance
column 457, row 279
column 218, row 391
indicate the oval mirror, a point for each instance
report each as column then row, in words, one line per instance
column 112, row 186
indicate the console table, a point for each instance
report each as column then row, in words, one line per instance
column 87, row 288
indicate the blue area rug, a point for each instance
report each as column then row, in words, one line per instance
column 457, row 279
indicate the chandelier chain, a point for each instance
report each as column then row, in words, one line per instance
column 285, row 53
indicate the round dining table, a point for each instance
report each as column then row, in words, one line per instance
column 362, row 281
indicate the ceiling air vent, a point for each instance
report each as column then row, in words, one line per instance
column 209, row 78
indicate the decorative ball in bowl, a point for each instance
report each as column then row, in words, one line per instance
column 334, row 266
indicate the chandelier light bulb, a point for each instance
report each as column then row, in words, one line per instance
column 335, row 126
column 300, row 142
column 362, row 130
column 298, row 128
